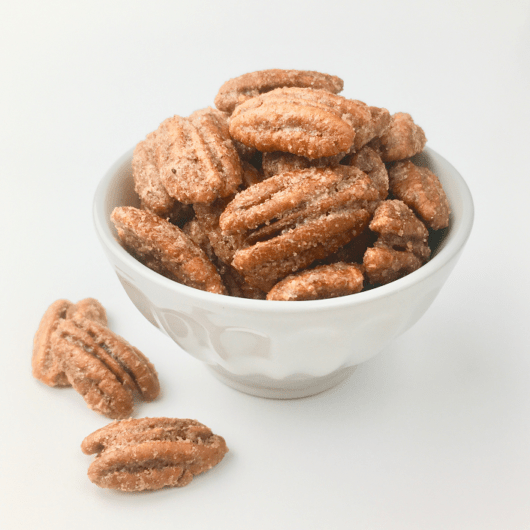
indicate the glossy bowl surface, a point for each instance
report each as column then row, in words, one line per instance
column 283, row 349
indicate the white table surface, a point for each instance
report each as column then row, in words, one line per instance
column 434, row 432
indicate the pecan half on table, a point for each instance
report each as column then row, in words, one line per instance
column 151, row 453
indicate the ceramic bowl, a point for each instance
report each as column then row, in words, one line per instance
column 283, row 349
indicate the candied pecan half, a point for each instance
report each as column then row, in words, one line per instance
column 370, row 162
column 165, row 249
column 196, row 158
column 46, row 365
column 302, row 121
column 402, row 244
column 237, row 90
column 402, row 139
column 292, row 219
column 146, row 176
column 326, row 281
column 151, row 453
column 103, row 367
column 420, row 189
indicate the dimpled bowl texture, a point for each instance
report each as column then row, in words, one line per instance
column 283, row 349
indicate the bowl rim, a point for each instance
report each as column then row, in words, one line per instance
column 459, row 235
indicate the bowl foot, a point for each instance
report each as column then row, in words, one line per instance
column 289, row 388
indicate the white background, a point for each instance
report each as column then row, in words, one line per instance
column 434, row 432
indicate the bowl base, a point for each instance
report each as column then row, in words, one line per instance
column 281, row 388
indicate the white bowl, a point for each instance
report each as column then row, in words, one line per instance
column 282, row 349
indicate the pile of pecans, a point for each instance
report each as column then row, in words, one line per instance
column 285, row 191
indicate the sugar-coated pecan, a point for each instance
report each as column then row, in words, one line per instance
column 146, row 175
column 103, row 367
column 367, row 160
column 402, row 139
column 237, row 90
column 326, row 281
column 46, row 365
column 402, row 244
column 384, row 265
column 302, row 121
column 165, row 249
column 196, row 158
column 292, row 219
column 282, row 200
column 420, row 189
column 151, row 453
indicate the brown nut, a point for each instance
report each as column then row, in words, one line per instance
column 326, row 281
column 420, row 189
column 370, row 162
column 146, row 176
column 165, row 249
column 238, row 90
column 196, row 158
column 46, row 365
column 104, row 368
column 402, row 244
column 151, row 453
column 402, row 139
column 305, row 122
column 295, row 218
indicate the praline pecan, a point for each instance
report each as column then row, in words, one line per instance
column 103, row 367
column 146, row 176
column 195, row 157
column 237, row 90
column 326, row 281
column 151, row 453
column 292, row 219
column 46, row 365
column 165, row 249
column 370, row 162
column 402, row 244
column 402, row 139
column 302, row 121
column 420, row 189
